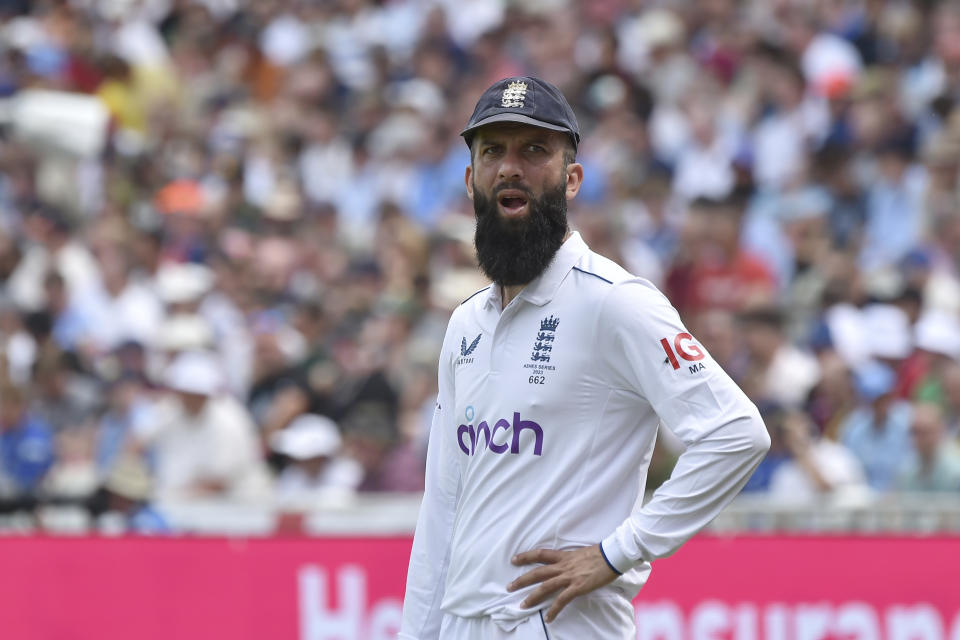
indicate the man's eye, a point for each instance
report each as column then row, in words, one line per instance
column 536, row 148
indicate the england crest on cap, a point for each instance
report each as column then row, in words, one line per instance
column 514, row 94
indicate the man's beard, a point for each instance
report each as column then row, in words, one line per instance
column 515, row 250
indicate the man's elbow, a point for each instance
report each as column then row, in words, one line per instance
column 757, row 437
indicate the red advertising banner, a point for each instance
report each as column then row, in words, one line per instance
column 743, row 588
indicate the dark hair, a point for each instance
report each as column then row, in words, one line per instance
column 764, row 316
column 733, row 204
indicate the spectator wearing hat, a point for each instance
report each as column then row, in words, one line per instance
column 204, row 442
column 888, row 332
column 126, row 493
column 936, row 342
column 934, row 464
column 313, row 445
column 184, row 205
column 826, row 57
column 184, row 332
column 201, row 317
column 182, row 286
column 878, row 432
column 937, row 338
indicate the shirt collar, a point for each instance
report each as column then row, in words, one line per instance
column 542, row 289
column 493, row 297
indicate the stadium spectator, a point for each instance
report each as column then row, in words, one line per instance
column 64, row 394
column 718, row 271
column 317, row 470
column 835, row 396
column 817, row 468
column 203, row 441
column 777, row 371
column 26, row 444
column 894, row 207
column 129, row 410
column 951, row 399
column 125, row 496
column 878, row 431
column 935, row 464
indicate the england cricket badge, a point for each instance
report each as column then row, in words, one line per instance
column 514, row 95
column 542, row 349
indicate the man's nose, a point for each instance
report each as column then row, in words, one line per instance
column 510, row 166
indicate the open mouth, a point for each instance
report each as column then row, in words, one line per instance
column 513, row 202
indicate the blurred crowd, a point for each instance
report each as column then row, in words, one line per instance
column 231, row 232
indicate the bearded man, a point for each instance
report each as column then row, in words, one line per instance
column 553, row 381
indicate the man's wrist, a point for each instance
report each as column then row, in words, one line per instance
column 607, row 560
column 614, row 555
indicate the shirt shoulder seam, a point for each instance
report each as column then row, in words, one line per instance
column 590, row 273
column 474, row 294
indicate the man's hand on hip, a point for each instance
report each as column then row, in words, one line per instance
column 572, row 573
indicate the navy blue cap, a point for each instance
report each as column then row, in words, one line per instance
column 528, row 100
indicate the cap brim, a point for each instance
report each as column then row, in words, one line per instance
column 517, row 117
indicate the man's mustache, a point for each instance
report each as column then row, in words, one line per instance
column 516, row 186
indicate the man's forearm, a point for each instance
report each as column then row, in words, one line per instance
column 708, row 475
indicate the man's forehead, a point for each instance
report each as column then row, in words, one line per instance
column 515, row 129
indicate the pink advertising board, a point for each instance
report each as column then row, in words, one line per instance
column 741, row 588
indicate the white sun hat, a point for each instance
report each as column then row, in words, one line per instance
column 181, row 283
column 308, row 436
column 185, row 332
column 938, row 332
column 197, row 372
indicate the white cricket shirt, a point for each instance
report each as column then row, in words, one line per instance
column 543, row 431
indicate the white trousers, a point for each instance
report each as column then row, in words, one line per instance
column 586, row 618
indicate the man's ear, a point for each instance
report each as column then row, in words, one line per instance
column 574, row 179
column 467, row 178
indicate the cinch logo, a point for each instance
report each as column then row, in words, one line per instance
column 509, row 440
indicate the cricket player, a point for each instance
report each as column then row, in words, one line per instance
column 553, row 381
